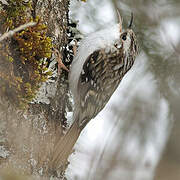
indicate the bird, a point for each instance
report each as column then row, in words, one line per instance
column 102, row 60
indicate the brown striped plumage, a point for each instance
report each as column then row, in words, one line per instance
column 94, row 78
column 102, row 72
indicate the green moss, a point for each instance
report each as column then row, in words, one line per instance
column 23, row 66
column 14, row 14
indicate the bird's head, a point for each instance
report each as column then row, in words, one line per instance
column 128, row 38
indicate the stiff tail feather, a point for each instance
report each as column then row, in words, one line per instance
column 64, row 146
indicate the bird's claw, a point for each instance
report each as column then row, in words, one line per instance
column 60, row 63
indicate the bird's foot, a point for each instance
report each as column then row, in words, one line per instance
column 60, row 63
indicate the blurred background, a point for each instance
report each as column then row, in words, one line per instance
column 136, row 136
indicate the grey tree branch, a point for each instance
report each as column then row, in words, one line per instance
column 12, row 32
column 4, row 2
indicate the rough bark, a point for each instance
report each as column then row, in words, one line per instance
column 28, row 137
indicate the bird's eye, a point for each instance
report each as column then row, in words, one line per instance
column 124, row 37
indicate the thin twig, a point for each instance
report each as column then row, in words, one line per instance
column 4, row 2
column 12, row 32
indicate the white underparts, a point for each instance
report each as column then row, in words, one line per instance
column 95, row 41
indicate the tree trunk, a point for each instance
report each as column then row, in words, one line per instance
column 28, row 137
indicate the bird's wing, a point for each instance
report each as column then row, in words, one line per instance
column 100, row 76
